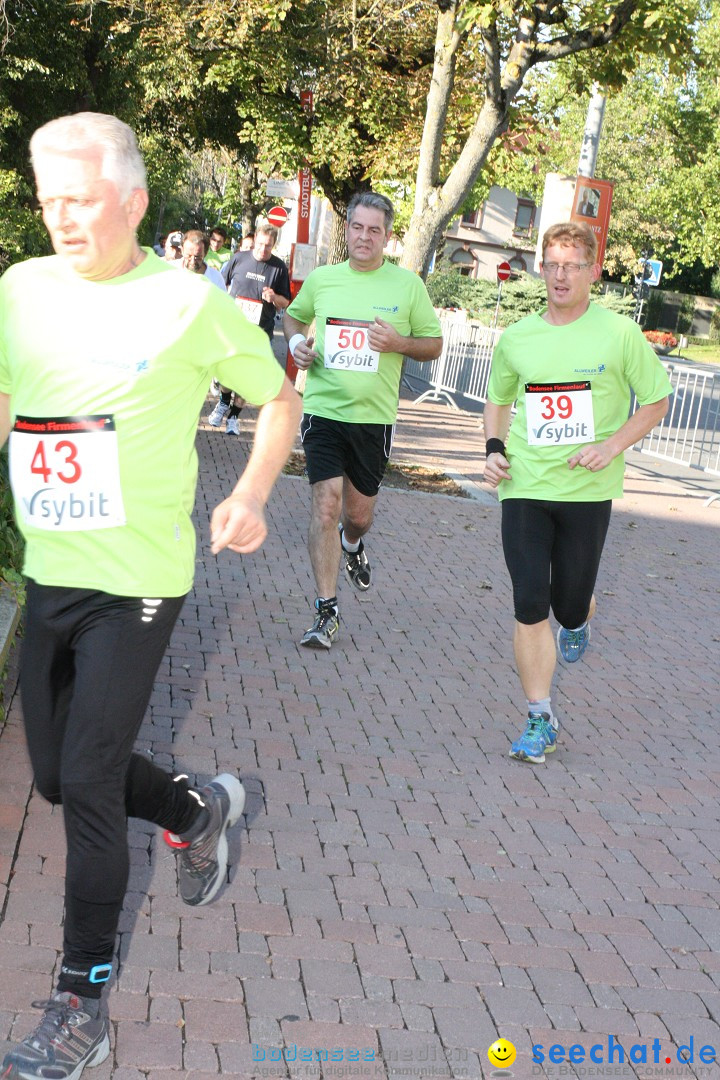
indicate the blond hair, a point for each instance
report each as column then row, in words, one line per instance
column 572, row 234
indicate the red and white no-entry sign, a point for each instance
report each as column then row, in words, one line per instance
column 277, row 216
column 504, row 271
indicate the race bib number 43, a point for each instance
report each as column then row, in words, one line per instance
column 559, row 413
column 64, row 472
column 347, row 347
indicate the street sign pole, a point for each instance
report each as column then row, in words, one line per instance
column 641, row 286
column 493, row 325
column 504, row 270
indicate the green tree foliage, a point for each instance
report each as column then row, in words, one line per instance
column 520, row 297
column 660, row 145
column 57, row 57
column 511, row 38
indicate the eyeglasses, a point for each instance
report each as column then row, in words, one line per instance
column 569, row 268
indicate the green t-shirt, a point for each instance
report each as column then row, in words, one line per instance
column 349, row 382
column 572, row 385
column 217, row 259
column 104, row 502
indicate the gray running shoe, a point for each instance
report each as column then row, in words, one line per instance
column 203, row 861
column 63, row 1043
column 323, row 630
column 217, row 416
column 232, row 427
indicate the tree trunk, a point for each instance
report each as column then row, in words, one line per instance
column 440, row 204
column 337, row 250
column 438, row 201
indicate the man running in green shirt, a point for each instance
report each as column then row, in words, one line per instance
column 570, row 369
column 368, row 314
column 104, row 489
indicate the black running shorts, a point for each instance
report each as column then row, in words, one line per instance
column 553, row 551
column 358, row 451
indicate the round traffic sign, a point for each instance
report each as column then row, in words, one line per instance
column 504, row 271
column 277, row 216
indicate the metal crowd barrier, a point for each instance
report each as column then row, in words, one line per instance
column 690, row 433
column 463, row 367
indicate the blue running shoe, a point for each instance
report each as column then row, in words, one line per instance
column 573, row 643
column 537, row 740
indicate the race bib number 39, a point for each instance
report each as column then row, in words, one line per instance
column 559, row 413
column 64, row 472
column 347, row 347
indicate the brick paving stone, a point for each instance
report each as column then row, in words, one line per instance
column 215, row 1021
column 275, row 998
column 331, row 979
column 603, row 967
column 148, row 1046
column 387, row 833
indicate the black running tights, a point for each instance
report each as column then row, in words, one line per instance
column 88, row 665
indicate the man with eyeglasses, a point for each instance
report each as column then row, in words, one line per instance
column 570, row 368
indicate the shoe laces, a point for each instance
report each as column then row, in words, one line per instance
column 56, row 1015
column 575, row 638
column 324, row 614
column 201, row 854
column 356, row 558
column 538, row 723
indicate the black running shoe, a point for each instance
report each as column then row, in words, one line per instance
column 323, row 630
column 357, row 567
column 63, row 1043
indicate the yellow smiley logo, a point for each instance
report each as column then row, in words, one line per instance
column 502, row 1053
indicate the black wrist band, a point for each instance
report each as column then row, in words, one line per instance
column 494, row 446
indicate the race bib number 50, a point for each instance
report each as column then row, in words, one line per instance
column 64, row 472
column 347, row 347
column 559, row 413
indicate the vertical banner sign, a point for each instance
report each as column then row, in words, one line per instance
column 591, row 205
column 304, row 182
column 303, row 222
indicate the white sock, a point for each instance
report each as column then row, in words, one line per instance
column 352, row 549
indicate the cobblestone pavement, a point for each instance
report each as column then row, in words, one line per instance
column 400, row 890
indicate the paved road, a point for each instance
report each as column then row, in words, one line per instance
column 400, row 889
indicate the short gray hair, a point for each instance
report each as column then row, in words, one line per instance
column 263, row 226
column 372, row 201
column 122, row 161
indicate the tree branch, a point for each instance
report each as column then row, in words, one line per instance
column 592, row 38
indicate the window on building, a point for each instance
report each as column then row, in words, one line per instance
column 473, row 218
column 464, row 261
column 524, row 217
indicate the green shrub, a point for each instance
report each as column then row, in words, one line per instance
column 12, row 545
column 522, row 296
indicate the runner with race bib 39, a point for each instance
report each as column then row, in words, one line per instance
column 570, row 369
